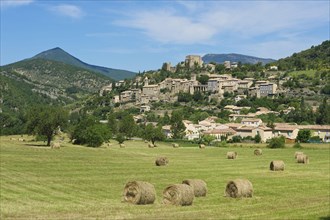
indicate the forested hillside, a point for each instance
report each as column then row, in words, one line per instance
column 317, row 57
column 34, row 82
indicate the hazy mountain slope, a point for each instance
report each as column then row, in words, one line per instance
column 233, row 57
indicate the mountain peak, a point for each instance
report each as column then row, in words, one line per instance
column 60, row 55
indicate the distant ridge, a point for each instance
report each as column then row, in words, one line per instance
column 58, row 54
column 233, row 57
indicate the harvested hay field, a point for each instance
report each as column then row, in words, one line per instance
column 78, row 182
column 139, row 193
column 178, row 194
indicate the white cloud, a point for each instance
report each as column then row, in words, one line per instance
column 166, row 27
column 15, row 3
column 216, row 21
column 68, row 10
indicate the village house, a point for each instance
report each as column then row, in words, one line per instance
column 260, row 82
column 116, row 99
column 210, row 67
column 215, row 85
column 167, row 131
column 126, row 96
column 144, row 99
column 119, row 83
column 254, row 91
column 221, row 131
column 289, row 131
column 251, row 131
column 323, row 131
column 234, row 117
column 229, row 88
column 227, row 64
column 243, row 86
column 192, row 131
column 145, row 108
column 237, row 110
column 105, row 89
column 151, row 90
column 239, row 97
column 268, row 89
column 275, row 68
column 251, row 121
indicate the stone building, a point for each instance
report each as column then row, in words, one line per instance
column 192, row 60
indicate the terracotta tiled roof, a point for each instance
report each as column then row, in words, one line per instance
column 221, row 131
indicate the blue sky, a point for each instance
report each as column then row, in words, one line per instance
column 141, row 35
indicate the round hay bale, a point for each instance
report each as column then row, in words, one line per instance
column 202, row 146
column 258, row 152
column 199, row 186
column 239, row 188
column 297, row 153
column 161, row 161
column 122, row 145
column 13, row 139
column 231, row 155
column 139, row 193
column 175, row 145
column 302, row 158
column 277, row 165
column 178, row 194
column 150, row 145
column 21, row 139
column 55, row 145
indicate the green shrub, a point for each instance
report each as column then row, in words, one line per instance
column 221, row 144
column 297, row 145
column 277, row 142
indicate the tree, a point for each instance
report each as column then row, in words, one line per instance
column 112, row 124
column 303, row 136
column 277, row 142
column 46, row 120
column 257, row 138
column 127, row 126
column 203, row 79
column 153, row 134
column 90, row 132
column 120, row 138
column 323, row 113
column 208, row 139
column 177, row 125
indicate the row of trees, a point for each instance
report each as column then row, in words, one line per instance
column 86, row 129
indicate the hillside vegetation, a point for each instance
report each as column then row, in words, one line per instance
column 317, row 58
column 75, row 182
column 34, row 82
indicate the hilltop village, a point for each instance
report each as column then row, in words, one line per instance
column 217, row 85
column 142, row 92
